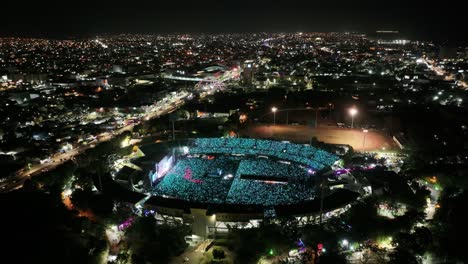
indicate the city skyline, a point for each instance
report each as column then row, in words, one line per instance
column 209, row 132
column 414, row 20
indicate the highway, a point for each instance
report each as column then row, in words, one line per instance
column 57, row 159
column 168, row 106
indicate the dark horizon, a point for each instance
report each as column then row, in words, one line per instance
column 415, row 21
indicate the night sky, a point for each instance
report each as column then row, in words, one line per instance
column 60, row 19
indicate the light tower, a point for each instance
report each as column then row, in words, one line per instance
column 274, row 109
column 352, row 111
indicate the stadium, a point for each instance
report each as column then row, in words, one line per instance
column 219, row 183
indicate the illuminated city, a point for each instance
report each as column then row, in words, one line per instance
column 276, row 139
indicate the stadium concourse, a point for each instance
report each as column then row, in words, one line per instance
column 216, row 182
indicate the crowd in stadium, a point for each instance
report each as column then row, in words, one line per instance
column 305, row 154
column 266, row 172
column 212, row 188
column 274, row 179
column 262, row 167
column 264, row 193
column 247, row 191
column 203, row 184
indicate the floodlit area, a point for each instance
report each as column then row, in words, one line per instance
column 391, row 211
column 225, row 180
column 284, row 175
column 432, row 204
column 114, row 236
column 359, row 140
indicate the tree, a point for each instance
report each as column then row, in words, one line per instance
column 123, row 258
column 248, row 244
column 80, row 198
column 410, row 218
column 101, row 205
column 218, row 253
column 423, row 238
column 402, row 256
column 363, row 218
column 53, row 237
column 155, row 243
column 332, row 257
column 420, row 197
column 416, row 243
column 57, row 177
column 450, row 225
column 98, row 249
column 83, row 179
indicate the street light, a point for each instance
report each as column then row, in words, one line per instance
column 345, row 243
column 364, row 138
column 274, row 109
column 353, row 111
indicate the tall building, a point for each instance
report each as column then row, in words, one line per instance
column 248, row 69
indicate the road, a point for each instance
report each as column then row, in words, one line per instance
column 57, row 159
column 441, row 72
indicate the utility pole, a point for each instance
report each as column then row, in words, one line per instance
column 173, row 133
column 274, row 109
column 321, row 200
column 316, row 116
column 353, row 111
column 364, row 137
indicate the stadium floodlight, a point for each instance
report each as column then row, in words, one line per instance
column 274, row 109
column 352, row 111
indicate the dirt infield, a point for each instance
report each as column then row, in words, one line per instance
column 370, row 141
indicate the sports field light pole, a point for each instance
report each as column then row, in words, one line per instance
column 364, row 137
column 316, row 117
column 274, row 109
column 322, row 179
column 353, row 111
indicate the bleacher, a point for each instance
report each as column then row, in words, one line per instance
column 304, row 154
column 190, row 179
column 280, row 178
